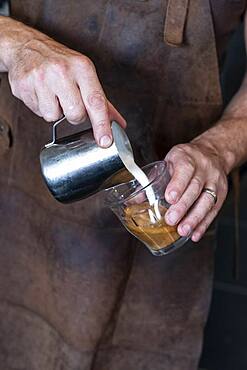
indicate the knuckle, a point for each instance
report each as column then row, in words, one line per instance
column 195, row 219
column 189, row 166
column 39, row 74
column 182, row 207
column 85, row 64
column 204, row 160
column 76, row 116
column 176, row 151
column 101, row 124
column 51, row 116
column 197, row 184
column 181, row 147
column 97, row 101
column 60, row 67
column 48, row 118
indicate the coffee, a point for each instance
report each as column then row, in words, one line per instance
column 157, row 235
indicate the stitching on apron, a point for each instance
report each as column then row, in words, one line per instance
column 175, row 21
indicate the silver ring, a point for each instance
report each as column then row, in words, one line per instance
column 212, row 193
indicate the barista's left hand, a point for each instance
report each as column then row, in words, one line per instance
column 194, row 167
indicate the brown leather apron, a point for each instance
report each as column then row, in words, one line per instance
column 78, row 292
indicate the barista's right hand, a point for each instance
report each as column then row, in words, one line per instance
column 53, row 80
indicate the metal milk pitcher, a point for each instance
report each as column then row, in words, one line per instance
column 75, row 167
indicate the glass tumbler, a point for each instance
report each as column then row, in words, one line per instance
column 146, row 221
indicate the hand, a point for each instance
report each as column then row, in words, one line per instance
column 52, row 80
column 193, row 167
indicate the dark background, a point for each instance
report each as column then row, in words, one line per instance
column 225, row 344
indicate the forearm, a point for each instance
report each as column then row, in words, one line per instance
column 228, row 138
column 13, row 36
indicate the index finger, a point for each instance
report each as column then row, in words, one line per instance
column 182, row 173
column 96, row 104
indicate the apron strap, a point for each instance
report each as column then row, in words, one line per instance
column 175, row 20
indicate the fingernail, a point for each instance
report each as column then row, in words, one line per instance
column 186, row 229
column 196, row 237
column 173, row 196
column 172, row 217
column 105, row 141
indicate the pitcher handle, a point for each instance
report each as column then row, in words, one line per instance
column 54, row 132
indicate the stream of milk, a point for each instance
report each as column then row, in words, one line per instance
column 126, row 154
column 140, row 176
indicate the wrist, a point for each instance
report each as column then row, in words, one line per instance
column 217, row 147
column 13, row 36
